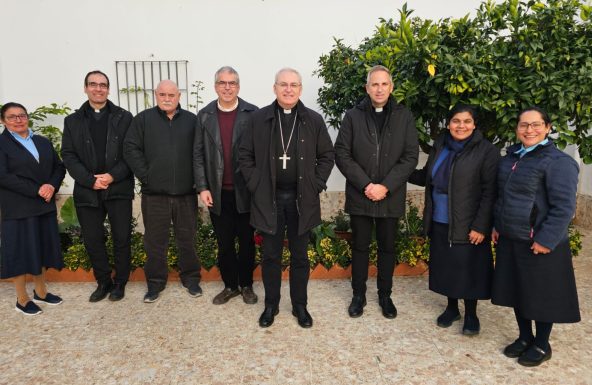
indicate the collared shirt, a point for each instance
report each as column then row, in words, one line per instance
column 525, row 150
column 27, row 143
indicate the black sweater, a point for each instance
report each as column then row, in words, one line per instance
column 160, row 151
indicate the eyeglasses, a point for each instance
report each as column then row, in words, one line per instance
column 537, row 126
column 102, row 86
column 288, row 85
column 223, row 84
column 14, row 118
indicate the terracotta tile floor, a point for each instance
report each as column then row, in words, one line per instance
column 183, row 340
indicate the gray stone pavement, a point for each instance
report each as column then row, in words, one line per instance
column 184, row 340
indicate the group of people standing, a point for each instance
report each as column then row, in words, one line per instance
column 265, row 168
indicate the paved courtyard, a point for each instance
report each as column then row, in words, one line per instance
column 183, row 340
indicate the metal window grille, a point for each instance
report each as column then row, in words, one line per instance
column 136, row 81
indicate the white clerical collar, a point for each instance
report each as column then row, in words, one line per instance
column 378, row 109
column 228, row 109
column 287, row 112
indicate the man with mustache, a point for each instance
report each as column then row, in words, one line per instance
column 159, row 150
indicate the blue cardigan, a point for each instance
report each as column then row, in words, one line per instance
column 21, row 176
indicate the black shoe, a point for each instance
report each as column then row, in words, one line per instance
column 103, row 289
column 534, row 356
column 194, row 289
column 249, row 296
column 471, row 326
column 356, row 307
column 388, row 307
column 50, row 299
column 225, row 296
column 151, row 296
column 446, row 319
column 30, row 308
column 267, row 317
column 516, row 348
column 304, row 318
column 118, row 291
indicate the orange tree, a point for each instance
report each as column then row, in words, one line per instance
column 510, row 55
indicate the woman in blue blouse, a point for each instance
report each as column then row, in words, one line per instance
column 30, row 175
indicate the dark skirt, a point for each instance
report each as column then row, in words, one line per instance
column 29, row 244
column 461, row 270
column 542, row 287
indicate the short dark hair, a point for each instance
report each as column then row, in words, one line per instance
column 543, row 113
column 11, row 105
column 95, row 72
column 459, row 108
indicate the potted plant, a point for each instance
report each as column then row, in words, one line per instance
column 342, row 225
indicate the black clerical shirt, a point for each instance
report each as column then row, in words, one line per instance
column 286, row 178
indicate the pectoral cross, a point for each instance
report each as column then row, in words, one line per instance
column 284, row 159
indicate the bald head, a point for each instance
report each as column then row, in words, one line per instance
column 167, row 97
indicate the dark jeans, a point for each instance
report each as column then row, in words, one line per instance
column 361, row 238
column 158, row 211
column 92, row 224
column 236, row 269
column 271, row 263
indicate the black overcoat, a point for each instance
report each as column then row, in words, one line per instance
column 78, row 153
column 257, row 163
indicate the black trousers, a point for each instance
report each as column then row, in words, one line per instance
column 361, row 237
column 236, row 268
column 92, row 220
column 271, row 262
column 158, row 212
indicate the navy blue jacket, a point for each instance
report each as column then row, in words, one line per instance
column 536, row 195
column 21, row 176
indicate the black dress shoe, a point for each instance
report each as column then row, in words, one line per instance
column 534, row 356
column 356, row 307
column 446, row 319
column 103, row 289
column 267, row 317
column 388, row 307
column 117, row 292
column 516, row 348
column 471, row 327
column 304, row 318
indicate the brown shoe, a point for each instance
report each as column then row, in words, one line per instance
column 249, row 296
column 225, row 295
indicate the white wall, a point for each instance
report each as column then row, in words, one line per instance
column 50, row 45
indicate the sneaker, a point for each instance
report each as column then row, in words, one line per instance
column 249, row 296
column 194, row 289
column 225, row 296
column 49, row 299
column 151, row 296
column 29, row 309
